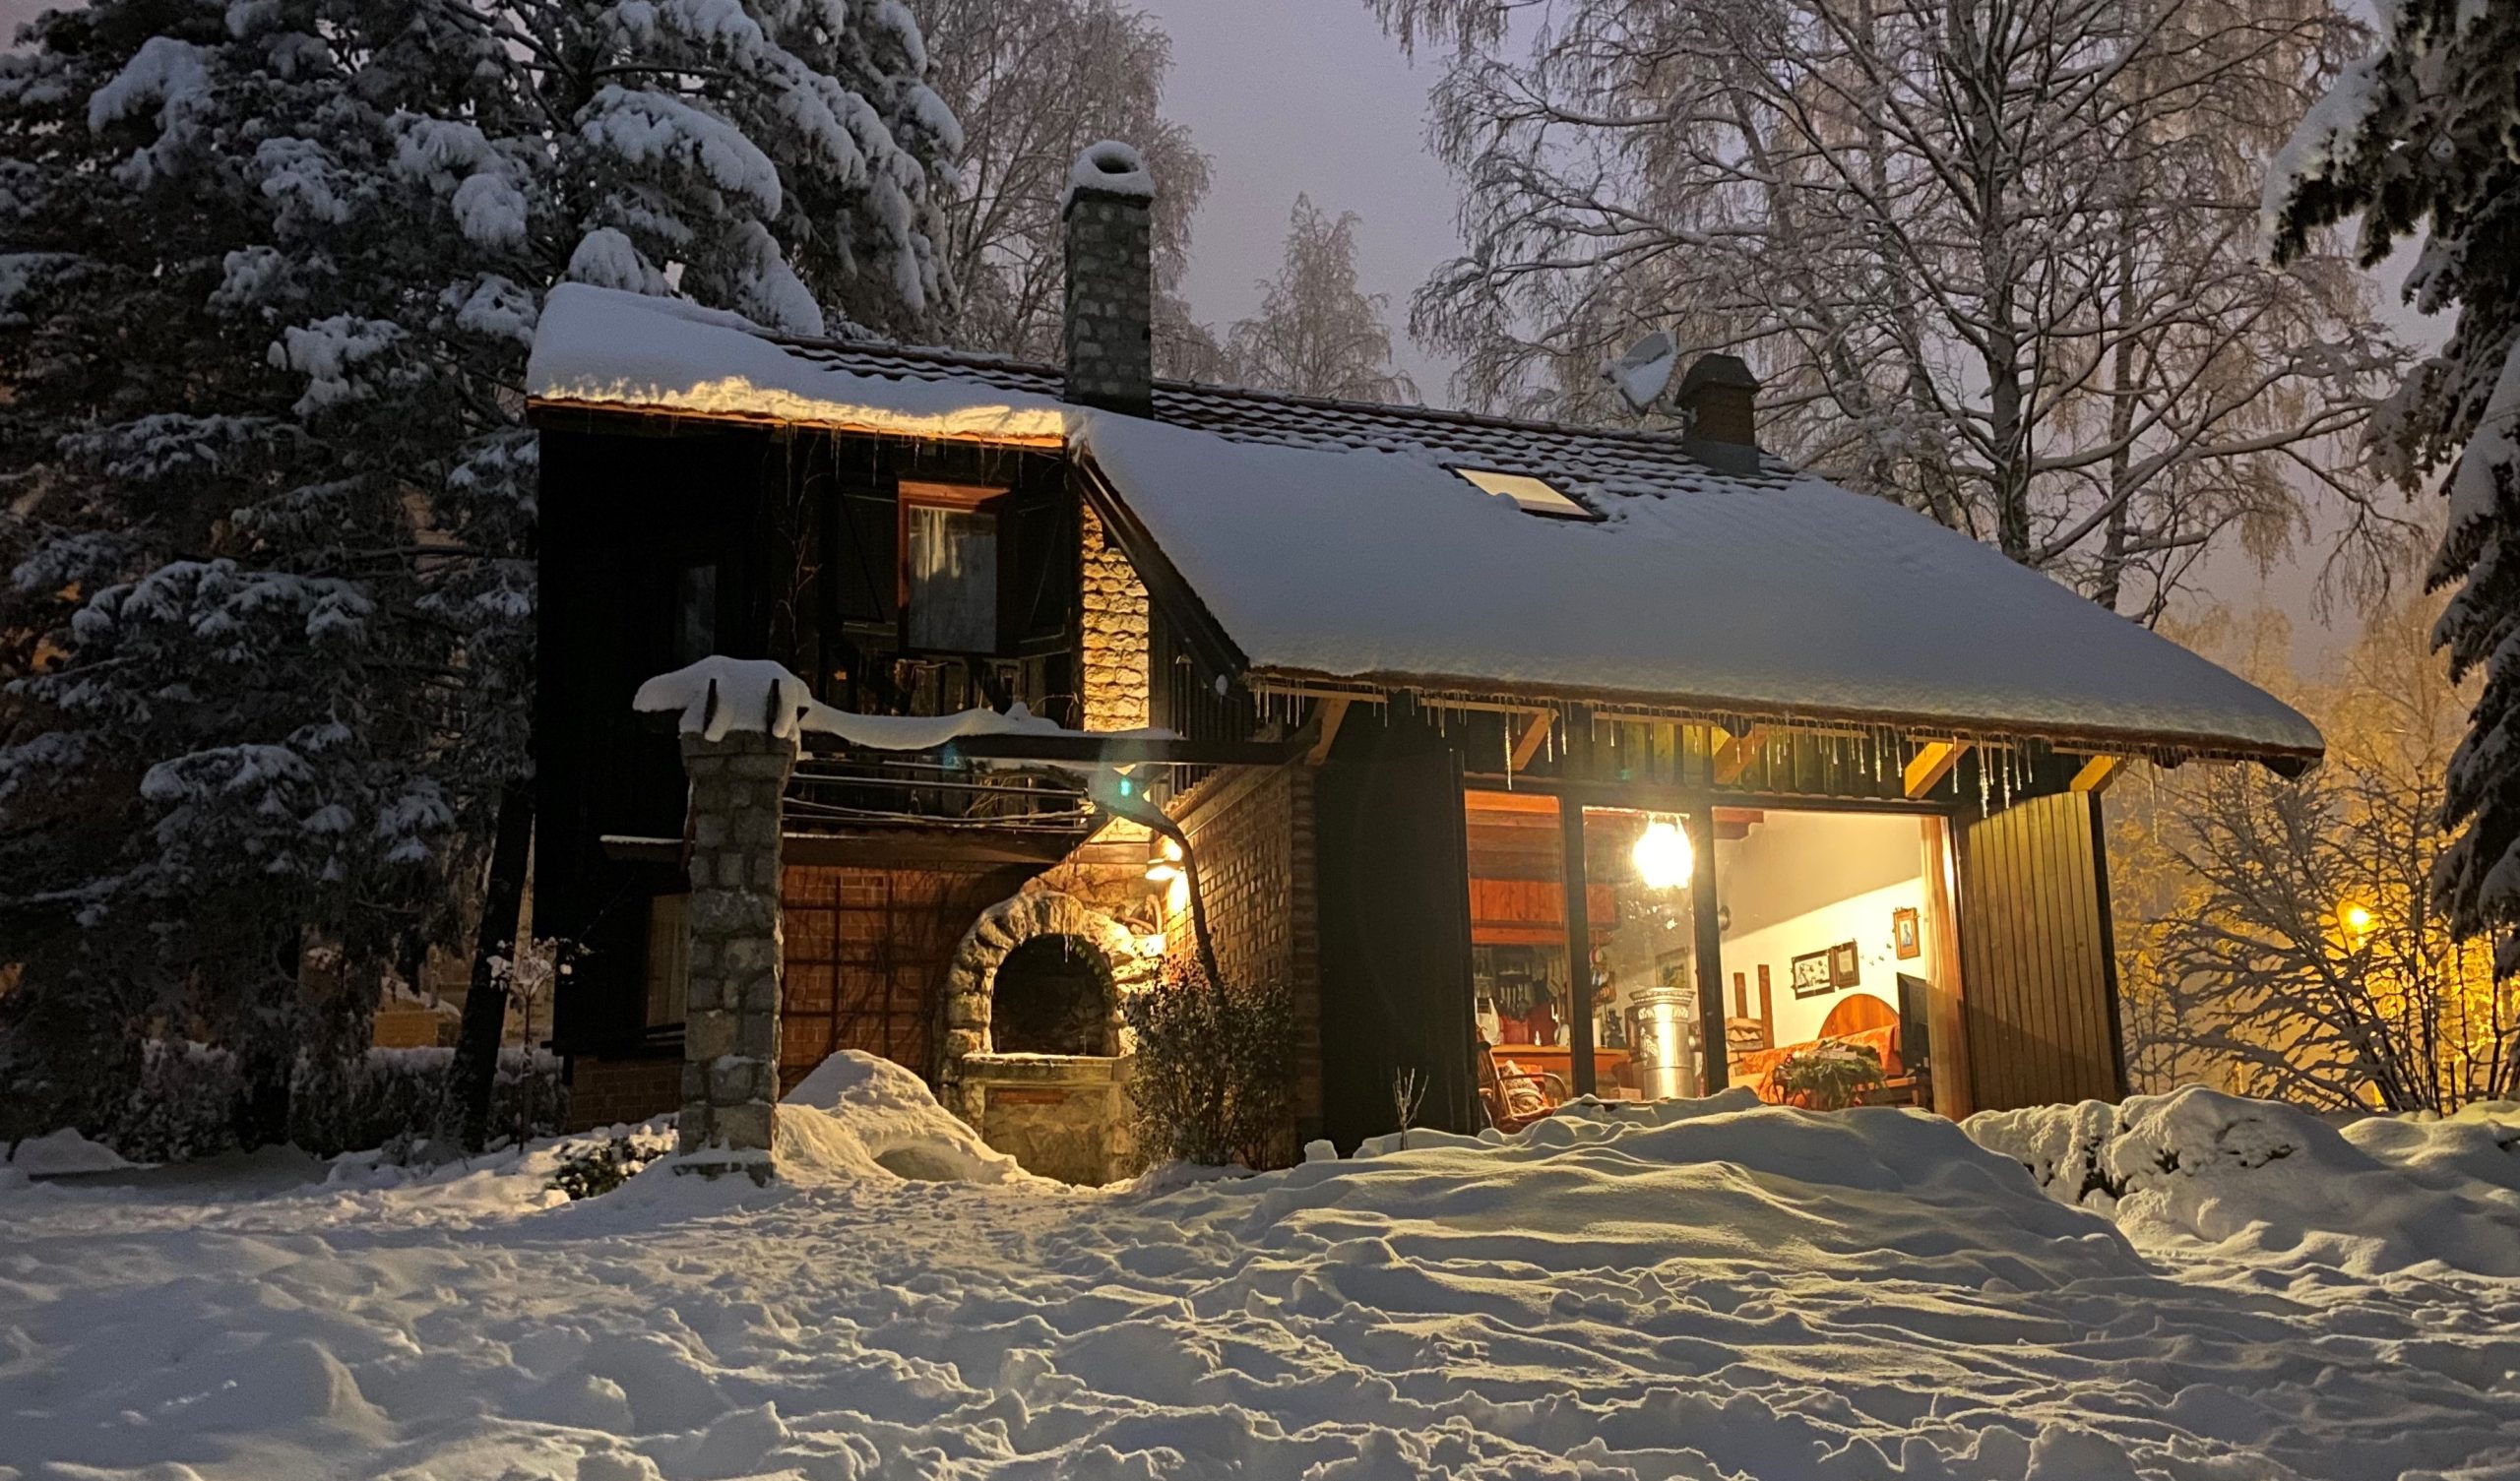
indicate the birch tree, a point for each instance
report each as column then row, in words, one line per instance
column 1317, row 332
column 1996, row 262
column 2282, row 936
column 1032, row 85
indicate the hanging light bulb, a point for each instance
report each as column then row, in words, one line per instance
column 1663, row 858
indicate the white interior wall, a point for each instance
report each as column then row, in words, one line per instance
column 1805, row 881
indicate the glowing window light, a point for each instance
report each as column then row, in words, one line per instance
column 1663, row 860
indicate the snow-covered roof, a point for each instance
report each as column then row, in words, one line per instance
column 1787, row 597
column 1330, row 540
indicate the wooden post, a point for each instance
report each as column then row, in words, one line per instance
column 1700, row 824
column 1946, row 1023
column 1578, row 947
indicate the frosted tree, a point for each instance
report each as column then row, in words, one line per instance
column 1032, row 85
column 1995, row 262
column 2423, row 137
column 1317, row 332
column 2281, row 936
column 268, row 275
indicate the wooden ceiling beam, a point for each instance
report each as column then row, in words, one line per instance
column 2096, row 774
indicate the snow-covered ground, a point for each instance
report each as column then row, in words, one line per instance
column 1698, row 1291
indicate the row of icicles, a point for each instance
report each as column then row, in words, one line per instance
column 2004, row 768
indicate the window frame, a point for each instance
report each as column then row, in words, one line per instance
column 1582, row 512
column 991, row 500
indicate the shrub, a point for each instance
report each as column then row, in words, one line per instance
column 589, row 1168
column 1828, row 1075
column 188, row 1098
column 1214, row 1083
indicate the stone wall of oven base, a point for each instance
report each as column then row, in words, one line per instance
column 1253, row 833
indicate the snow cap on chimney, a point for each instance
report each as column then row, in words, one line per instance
column 1720, row 397
column 1111, row 280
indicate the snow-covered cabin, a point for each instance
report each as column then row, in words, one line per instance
column 1538, row 760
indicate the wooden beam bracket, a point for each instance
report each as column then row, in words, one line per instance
column 1932, row 763
column 2096, row 774
column 1734, row 756
column 1535, row 735
column 1334, row 712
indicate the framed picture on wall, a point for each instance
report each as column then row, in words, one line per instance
column 1845, row 964
column 1809, row 976
column 1903, row 933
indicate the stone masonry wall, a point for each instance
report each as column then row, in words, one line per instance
column 1115, row 633
column 730, row 1027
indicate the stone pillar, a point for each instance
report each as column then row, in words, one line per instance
column 731, row 1026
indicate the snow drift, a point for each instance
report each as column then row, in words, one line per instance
column 863, row 1117
column 1712, row 1291
column 2258, row 1180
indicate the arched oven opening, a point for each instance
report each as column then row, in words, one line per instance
column 1053, row 995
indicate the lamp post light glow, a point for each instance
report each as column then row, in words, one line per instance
column 1661, row 855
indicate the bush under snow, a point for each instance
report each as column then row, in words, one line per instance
column 2256, row 1179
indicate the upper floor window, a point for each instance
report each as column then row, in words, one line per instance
column 695, row 614
column 949, row 567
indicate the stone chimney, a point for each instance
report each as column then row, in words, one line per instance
column 1720, row 397
column 1111, row 280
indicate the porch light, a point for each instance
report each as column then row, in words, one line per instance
column 1662, row 857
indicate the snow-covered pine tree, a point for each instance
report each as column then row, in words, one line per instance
column 2425, row 138
column 267, row 274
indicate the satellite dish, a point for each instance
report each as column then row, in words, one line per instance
column 1643, row 370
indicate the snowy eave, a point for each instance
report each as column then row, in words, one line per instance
column 719, row 696
column 1802, row 602
column 604, row 350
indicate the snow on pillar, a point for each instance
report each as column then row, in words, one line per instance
column 1111, row 280
column 739, row 727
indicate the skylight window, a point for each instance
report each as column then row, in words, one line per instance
column 1536, row 496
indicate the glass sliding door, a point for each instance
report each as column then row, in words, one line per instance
column 1520, row 978
column 1833, row 928
column 1642, row 869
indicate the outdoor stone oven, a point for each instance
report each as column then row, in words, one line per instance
column 1036, row 1054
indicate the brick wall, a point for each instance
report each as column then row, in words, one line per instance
column 1253, row 833
column 604, row 1092
column 1114, row 633
column 867, row 951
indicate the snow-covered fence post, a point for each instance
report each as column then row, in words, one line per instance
column 739, row 729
